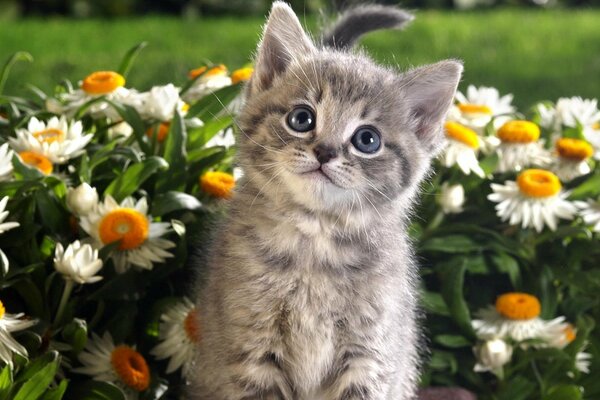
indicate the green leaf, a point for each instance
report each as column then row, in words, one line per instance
column 507, row 265
column 488, row 163
column 563, row 392
column 199, row 137
column 25, row 171
column 451, row 244
column 203, row 153
column 5, row 381
column 176, row 154
column 452, row 276
column 133, row 118
column 442, row 360
column 34, row 387
column 589, row 188
column 96, row 390
column 75, row 334
column 174, row 201
column 52, row 215
column 56, row 393
column 212, row 104
column 18, row 56
column 453, row 341
column 133, row 178
column 129, row 58
column 434, row 303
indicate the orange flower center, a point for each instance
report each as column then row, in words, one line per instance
column 2, row 310
column 241, row 75
column 131, row 367
column 218, row 184
column 161, row 134
column 570, row 333
column 538, row 183
column 519, row 132
column 124, row 224
column 191, row 326
column 219, row 70
column 102, row 82
column 36, row 160
column 462, row 134
column 467, row 108
column 518, row 306
column 575, row 149
column 49, row 135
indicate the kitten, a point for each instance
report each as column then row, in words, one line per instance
column 311, row 290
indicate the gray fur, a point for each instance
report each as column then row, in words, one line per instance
column 360, row 20
column 311, row 291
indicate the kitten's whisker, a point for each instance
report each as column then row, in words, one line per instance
column 373, row 187
column 264, row 186
column 277, row 133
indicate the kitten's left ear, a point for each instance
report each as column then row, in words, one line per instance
column 429, row 92
column 283, row 41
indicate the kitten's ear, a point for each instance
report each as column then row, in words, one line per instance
column 283, row 40
column 429, row 92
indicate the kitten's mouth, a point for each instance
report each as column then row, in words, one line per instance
column 318, row 174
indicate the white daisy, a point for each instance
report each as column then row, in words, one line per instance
column 5, row 226
column 592, row 135
column 571, row 159
column 534, row 200
column 222, row 138
column 8, row 345
column 461, row 149
column 548, row 120
column 179, row 335
column 121, row 365
column 57, row 140
column 590, row 212
column 515, row 317
column 141, row 243
column 6, row 167
column 573, row 111
column 210, row 81
column 520, row 147
column 492, row 355
column 583, row 361
column 160, row 103
column 452, row 198
column 82, row 199
column 479, row 106
column 78, row 263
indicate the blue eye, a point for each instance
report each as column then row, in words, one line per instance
column 301, row 119
column 366, row 139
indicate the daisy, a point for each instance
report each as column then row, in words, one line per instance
column 592, row 135
column 160, row 103
column 516, row 317
column 82, row 199
column 8, row 345
column 57, row 140
column 224, row 138
column 78, row 263
column 480, row 106
column 571, row 161
column 217, row 184
column 519, row 147
column 563, row 337
column 121, row 365
column 179, row 334
column 107, row 84
column 575, row 111
column 140, row 238
column 452, row 198
column 461, row 150
column 590, row 212
column 6, row 167
column 534, row 200
column 492, row 355
column 210, row 80
column 5, row 226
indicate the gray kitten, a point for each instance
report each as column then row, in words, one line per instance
column 311, row 286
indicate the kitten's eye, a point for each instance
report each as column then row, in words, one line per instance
column 301, row 119
column 366, row 139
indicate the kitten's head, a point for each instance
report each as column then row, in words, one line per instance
column 328, row 129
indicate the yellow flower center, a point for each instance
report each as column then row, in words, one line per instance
column 191, row 326
column 462, row 134
column 241, row 75
column 2, row 310
column 49, row 135
column 36, row 160
column 102, row 82
column 219, row 70
column 519, row 132
column 570, row 333
column 538, row 183
column 217, row 183
column 518, row 306
column 125, row 224
column 467, row 108
column 131, row 368
column 596, row 126
column 575, row 149
column 185, row 107
column 161, row 134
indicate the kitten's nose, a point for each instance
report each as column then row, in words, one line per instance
column 324, row 153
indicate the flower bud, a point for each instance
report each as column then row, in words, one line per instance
column 78, row 262
column 492, row 355
column 452, row 198
column 82, row 199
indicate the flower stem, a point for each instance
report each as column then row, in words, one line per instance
column 63, row 300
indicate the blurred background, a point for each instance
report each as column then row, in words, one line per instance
column 535, row 49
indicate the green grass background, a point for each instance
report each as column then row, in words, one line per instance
column 535, row 54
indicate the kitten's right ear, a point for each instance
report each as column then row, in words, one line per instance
column 283, row 40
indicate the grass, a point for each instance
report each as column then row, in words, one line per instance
column 531, row 53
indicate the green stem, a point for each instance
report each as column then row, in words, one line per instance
column 435, row 222
column 538, row 377
column 64, row 299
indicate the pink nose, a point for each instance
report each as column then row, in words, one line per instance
column 324, row 153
